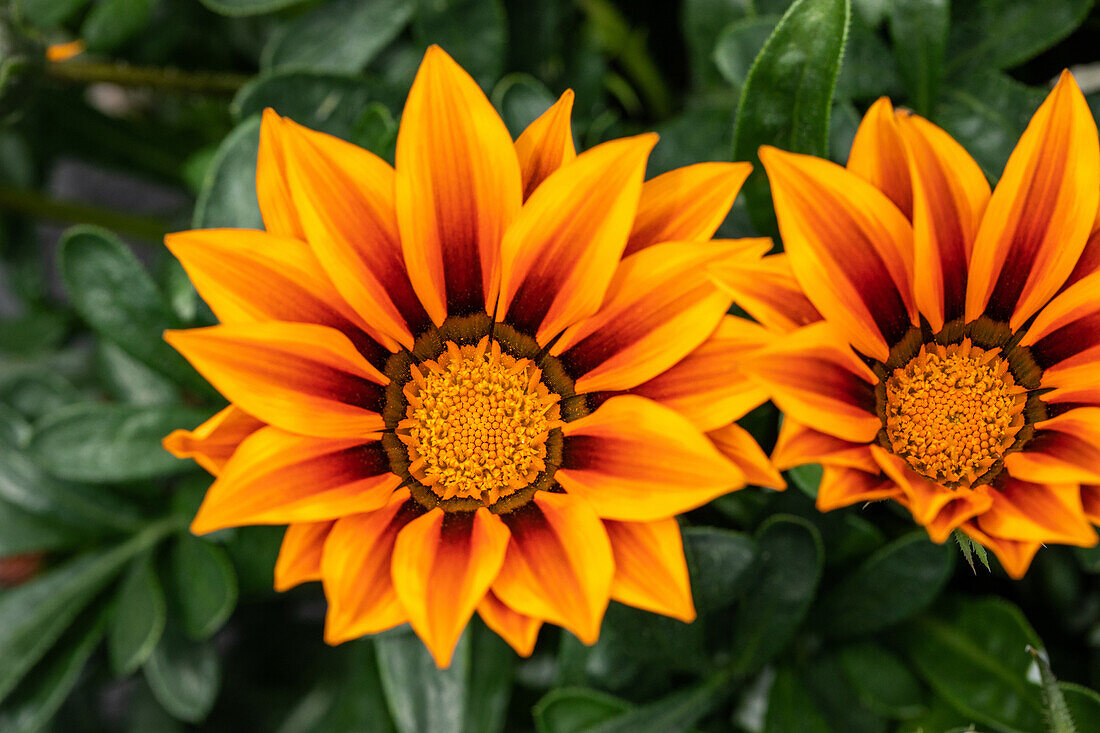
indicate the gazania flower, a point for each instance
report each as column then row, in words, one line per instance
column 942, row 342
column 486, row 380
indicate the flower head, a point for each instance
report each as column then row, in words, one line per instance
column 941, row 341
column 486, row 379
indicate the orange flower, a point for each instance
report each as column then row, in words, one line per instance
column 941, row 343
column 483, row 380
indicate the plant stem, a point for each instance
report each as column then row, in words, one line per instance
column 39, row 206
column 142, row 76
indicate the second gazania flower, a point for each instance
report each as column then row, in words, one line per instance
column 941, row 342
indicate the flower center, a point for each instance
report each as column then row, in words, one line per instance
column 477, row 422
column 953, row 411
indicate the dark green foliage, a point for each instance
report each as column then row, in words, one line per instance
column 848, row 622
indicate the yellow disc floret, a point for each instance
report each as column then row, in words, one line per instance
column 477, row 422
column 953, row 411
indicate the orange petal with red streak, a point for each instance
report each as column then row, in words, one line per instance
column 650, row 570
column 661, row 306
column 212, row 443
column 546, row 144
column 635, row 460
column 879, row 156
column 300, row 554
column 686, row 204
column 1041, row 213
column 442, row 568
column 738, row 445
column 559, row 565
column 458, row 189
column 520, row 631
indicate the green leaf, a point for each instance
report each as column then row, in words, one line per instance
column 114, row 294
column 807, row 478
column 868, row 70
column 184, row 675
column 790, row 707
column 787, row 96
column 740, row 44
column 703, row 21
column 25, row 486
column 21, row 531
column 720, row 563
column 918, row 29
column 421, row 696
column 34, row 333
column 490, row 685
column 35, row 614
column 884, row 684
column 987, row 112
column 35, row 393
column 248, row 7
column 897, row 582
column 339, row 36
column 473, row 32
column 43, row 691
column 50, row 13
column 228, row 194
column 332, row 103
column 569, row 710
column 101, row 443
column 1000, row 34
column 1084, row 705
column 128, row 380
column 520, row 99
column 975, row 657
column 572, row 710
column 1089, row 558
column 204, row 585
column 138, row 620
column 15, row 431
column 836, row 698
column 113, row 22
column 789, row 569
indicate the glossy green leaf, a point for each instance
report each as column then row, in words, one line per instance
column 720, row 563
column 339, row 36
column 113, row 22
column 987, row 112
column 332, row 103
column 571, row 710
column 1083, row 704
column 248, row 7
column 36, row 393
column 918, row 29
column 789, row 569
column 836, row 698
column 204, row 586
column 184, row 675
column 490, row 686
column 37, row 332
column 473, row 32
column 34, row 615
column 897, row 582
column 114, row 294
column 138, row 619
column 740, row 44
column 228, row 194
column 50, row 13
column 807, row 478
column 868, row 70
column 21, row 531
column 130, row 381
column 421, row 696
column 520, row 99
column 15, row 431
column 974, row 655
column 787, row 96
column 883, row 682
column 790, row 707
column 43, row 691
column 102, row 443
column 1000, row 34
column 27, row 487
